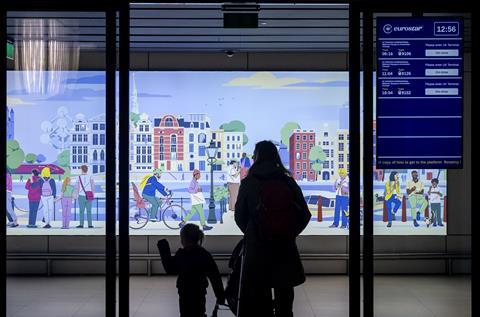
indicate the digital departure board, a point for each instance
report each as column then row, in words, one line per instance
column 419, row 92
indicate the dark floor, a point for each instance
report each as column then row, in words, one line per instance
column 414, row 296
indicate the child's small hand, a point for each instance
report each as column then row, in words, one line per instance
column 162, row 244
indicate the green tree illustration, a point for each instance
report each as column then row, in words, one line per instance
column 134, row 117
column 30, row 158
column 63, row 160
column 316, row 156
column 286, row 131
column 15, row 155
column 236, row 126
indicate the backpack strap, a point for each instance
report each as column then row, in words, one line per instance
column 81, row 183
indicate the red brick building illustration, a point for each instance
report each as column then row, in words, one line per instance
column 301, row 141
column 168, row 137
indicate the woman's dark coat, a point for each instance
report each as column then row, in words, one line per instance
column 270, row 264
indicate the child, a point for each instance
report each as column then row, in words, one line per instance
column 194, row 265
column 434, row 196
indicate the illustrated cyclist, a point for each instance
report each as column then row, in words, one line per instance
column 150, row 185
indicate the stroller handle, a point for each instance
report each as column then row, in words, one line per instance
column 219, row 307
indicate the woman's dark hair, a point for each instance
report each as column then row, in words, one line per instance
column 266, row 151
column 392, row 175
column 192, row 233
column 435, row 180
column 35, row 172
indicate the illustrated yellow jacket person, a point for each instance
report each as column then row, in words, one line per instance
column 391, row 188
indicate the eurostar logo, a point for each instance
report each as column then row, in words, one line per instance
column 387, row 28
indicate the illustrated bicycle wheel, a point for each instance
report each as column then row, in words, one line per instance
column 172, row 216
column 138, row 217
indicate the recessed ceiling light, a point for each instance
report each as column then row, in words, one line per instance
column 263, row 23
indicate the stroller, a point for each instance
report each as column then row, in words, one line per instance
column 234, row 283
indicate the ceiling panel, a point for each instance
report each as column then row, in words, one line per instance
column 199, row 27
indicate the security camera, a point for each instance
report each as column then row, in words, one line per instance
column 229, row 53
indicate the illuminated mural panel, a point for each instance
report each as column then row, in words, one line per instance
column 206, row 122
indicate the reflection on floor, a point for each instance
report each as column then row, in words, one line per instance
column 320, row 296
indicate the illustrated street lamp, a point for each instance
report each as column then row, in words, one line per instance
column 212, row 158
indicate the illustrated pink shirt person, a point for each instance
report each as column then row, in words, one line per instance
column 33, row 185
column 12, row 217
column 197, row 199
column 67, row 196
column 85, row 187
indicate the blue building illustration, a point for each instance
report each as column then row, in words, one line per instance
column 10, row 124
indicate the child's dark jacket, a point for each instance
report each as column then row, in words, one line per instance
column 194, row 267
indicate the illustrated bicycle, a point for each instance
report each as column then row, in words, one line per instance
column 170, row 213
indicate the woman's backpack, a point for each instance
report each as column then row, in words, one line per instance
column 276, row 210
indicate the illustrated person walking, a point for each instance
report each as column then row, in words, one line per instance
column 392, row 199
column 194, row 266
column 67, row 196
column 271, row 212
column 233, row 184
column 34, row 188
column 11, row 215
column 49, row 194
column 341, row 199
column 435, row 197
column 245, row 164
column 197, row 200
column 85, row 187
column 416, row 196
column 149, row 186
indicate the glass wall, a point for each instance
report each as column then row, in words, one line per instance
column 426, row 270
column 211, row 121
column 56, row 160
column 196, row 126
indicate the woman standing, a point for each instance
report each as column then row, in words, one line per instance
column 197, row 199
column 34, row 188
column 67, row 196
column 392, row 199
column 271, row 212
column 85, row 188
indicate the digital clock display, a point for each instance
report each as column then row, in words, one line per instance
column 446, row 28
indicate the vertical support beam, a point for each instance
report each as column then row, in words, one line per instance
column 3, row 159
column 475, row 218
column 123, row 159
column 368, row 294
column 110, row 169
column 354, row 149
